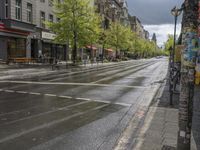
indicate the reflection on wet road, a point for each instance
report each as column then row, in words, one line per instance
column 79, row 111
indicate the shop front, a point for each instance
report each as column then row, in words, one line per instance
column 51, row 50
column 13, row 43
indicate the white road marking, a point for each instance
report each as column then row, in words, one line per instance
column 86, row 99
column 69, row 97
column 21, row 92
column 48, row 112
column 102, row 101
column 123, row 104
column 52, row 95
column 33, row 93
column 39, row 127
column 65, row 97
column 9, row 91
column 76, row 84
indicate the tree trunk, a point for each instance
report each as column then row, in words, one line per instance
column 74, row 52
column 189, row 31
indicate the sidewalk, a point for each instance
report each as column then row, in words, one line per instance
column 196, row 121
column 161, row 123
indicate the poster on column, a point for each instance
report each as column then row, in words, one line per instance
column 191, row 48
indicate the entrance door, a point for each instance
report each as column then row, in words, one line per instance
column 34, row 49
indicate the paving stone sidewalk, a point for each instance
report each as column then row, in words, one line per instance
column 161, row 123
column 196, row 121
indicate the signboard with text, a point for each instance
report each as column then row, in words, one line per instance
column 47, row 35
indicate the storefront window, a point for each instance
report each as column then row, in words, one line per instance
column 16, row 48
column 46, row 50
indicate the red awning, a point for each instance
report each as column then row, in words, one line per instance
column 91, row 47
column 4, row 29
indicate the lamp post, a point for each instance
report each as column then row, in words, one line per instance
column 175, row 12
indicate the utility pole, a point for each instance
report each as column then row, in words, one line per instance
column 190, row 42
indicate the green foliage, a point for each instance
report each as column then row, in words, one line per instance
column 169, row 42
column 78, row 24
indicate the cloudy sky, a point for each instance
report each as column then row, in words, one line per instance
column 155, row 16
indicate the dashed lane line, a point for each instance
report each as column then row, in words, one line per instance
column 9, row 91
column 69, row 97
column 51, row 95
column 75, row 84
column 33, row 93
column 21, row 92
column 86, row 99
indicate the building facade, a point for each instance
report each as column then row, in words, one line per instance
column 137, row 27
column 42, row 44
column 124, row 19
column 17, row 23
column 23, row 33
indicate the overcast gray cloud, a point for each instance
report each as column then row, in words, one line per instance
column 153, row 12
column 155, row 16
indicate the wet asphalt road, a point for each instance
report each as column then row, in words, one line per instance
column 82, row 111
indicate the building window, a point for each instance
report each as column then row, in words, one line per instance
column 42, row 1
column 42, row 19
column 29, row 13
column 58, row 20
column 6, row 9
column 18, row 9
column 50, row 18
column 50, row 3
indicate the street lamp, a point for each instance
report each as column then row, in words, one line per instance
column 175, row 12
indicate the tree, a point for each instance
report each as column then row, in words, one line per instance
column 77, row 24
column 169, row 42
column 118, row 36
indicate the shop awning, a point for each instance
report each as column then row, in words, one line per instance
column 109, row 50
column 12, row 31
column 91, row 47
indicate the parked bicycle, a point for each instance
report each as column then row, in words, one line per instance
column 174, row 79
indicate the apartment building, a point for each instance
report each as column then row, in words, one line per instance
column 23, row 32
column 17, row 23
column 124, row 13
column 138, row 28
